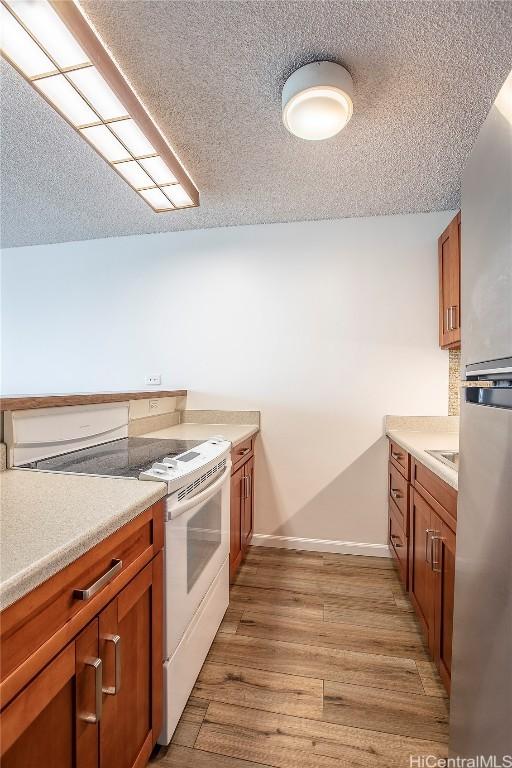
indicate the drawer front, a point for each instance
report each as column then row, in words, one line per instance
column 57, row 604
column 441, row 496
column 397, row 541
column 400, row 459
column 242, row 453
column 398, row 488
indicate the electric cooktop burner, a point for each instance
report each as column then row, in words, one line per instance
column 127, row 457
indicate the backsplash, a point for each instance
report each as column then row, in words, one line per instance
column 454, row 382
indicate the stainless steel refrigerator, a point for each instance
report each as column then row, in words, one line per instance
column 481, row 701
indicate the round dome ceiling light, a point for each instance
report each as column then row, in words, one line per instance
column 317, row 100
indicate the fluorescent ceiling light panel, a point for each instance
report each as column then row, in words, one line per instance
column 156, row 198
column 41, row 20
column 106, row 143
column 133, row 138
column 177, row 196
column 61, row 93
column 92, row 85
column 134, row 174
column 158, row 170
column 53, row 45
column 20, row 48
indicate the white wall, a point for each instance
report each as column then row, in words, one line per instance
column 323, row 326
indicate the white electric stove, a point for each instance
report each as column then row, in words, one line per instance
column 94, row 440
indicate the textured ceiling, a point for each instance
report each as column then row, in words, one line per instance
column 211, row 73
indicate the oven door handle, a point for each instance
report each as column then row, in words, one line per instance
column 205, row 495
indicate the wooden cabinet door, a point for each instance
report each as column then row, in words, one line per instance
column 130, row 636
column 421, row 576
column 248, row 503
column 237, row 505
column 449, row 285
column 54, row 720
column 443, row 565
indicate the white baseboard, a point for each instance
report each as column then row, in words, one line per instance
column 321, row 545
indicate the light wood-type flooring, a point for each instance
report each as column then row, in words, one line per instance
column 319, row 662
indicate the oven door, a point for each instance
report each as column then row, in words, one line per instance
column 196, row 546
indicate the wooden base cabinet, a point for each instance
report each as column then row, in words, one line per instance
column 422, row 522
column 97, row 703
column 242, row 503
column 432, row 580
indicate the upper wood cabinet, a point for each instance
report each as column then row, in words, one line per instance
column 449, row 285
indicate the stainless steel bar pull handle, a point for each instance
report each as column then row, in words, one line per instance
column 397, row 456
column 112, row 690
column 435, row 562
column 393, row 537
column 86, row 594
column 244, row 451
column 94, row 717
column 448, row 319
column 396, row 494
column 428, row 531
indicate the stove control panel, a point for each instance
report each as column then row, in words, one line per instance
column 179, row 468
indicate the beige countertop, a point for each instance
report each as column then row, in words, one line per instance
column 236, row 433
column 420, row 434
column 48, row 520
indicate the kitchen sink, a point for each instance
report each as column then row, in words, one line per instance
column 450, row 458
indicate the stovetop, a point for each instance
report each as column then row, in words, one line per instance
column 127, row 457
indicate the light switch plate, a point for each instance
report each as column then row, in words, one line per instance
column 154, row 381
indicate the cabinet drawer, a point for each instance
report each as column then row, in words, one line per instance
column 397, row 540
column 398, row 492
column 441, row 496
column 400, row 459
column 241, row 453
column 38, row 624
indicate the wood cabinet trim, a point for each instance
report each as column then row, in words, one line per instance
column 241, row 454
column 19, row 715
column 25, row 402
column 438, row 494
column 86, row 733
column 157, row 645
column 133, row 591
column 398, row 551
column 403, row 466
column 142, row 758
column 241, row 506
column 444, row 595
column 398, row 489
column 418, row 570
